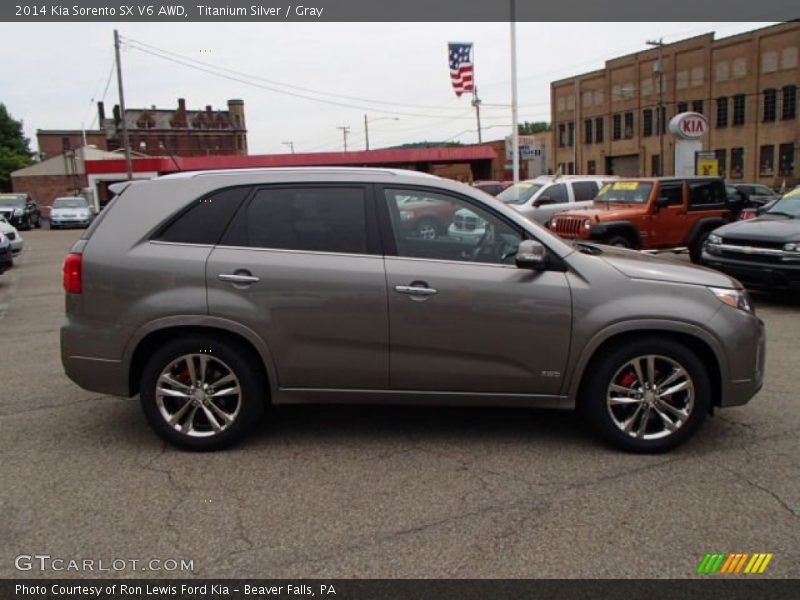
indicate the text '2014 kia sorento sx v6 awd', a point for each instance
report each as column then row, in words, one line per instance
column 213, row 294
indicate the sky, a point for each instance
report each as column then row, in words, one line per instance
column 395, row 73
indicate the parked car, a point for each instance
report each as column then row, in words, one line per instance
column 20, row 210
column 755, row 194
column 13, row 236
column 753, row 211
column 426, row 217
column 762, row 252
column 212, row 294
column 70, row 211
column 652, row 213
column 539, row 199
column 492, row 187
column 6, row 256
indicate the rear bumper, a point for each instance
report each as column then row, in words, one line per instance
column 102, row 375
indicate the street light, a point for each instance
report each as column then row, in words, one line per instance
column 658, row 68
column 366, row 125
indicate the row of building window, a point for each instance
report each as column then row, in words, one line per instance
column 785, row 163
column 623, row 124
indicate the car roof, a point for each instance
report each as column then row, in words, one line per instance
column 298, row 170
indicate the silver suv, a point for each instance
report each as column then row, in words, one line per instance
column 212, row 295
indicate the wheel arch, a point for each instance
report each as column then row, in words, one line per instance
column 701, row 226
column 152, row 336
column 624, row 228
column 702, row 343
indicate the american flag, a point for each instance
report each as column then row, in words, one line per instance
column 462, row 73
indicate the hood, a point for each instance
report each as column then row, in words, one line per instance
column 636, row 265
column 62, row 210
column 6, row 227
column 766, row 228
column 606, row 211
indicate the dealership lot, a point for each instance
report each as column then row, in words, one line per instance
column 379, row 492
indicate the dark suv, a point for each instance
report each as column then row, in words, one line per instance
column 20, row 210
column 212, row 294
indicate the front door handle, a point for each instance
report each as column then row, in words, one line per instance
column 239, row 278
column 415, row 290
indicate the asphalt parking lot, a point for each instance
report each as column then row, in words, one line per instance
column 379, row 492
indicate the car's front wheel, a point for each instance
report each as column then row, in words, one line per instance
column 647, row 396
column 202, row 393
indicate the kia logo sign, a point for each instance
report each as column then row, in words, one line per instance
column 689, row 125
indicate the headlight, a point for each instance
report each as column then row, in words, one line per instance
column 587, row 224
column 792, row 247
column 733, row 298
column 713, row 238
column 553, row 223
column 17, row 212
column 406, row 215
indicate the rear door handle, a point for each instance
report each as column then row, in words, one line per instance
column 414, row 290
column 240, row 278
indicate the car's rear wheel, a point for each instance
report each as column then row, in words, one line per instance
column 202, row 393
column 696, row 249
column 647, row 396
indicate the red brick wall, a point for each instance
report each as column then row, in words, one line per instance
column 51, row 144
column 46, row 188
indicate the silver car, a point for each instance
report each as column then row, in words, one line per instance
column 213, row 294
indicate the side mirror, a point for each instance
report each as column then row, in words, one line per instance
column 531, row 255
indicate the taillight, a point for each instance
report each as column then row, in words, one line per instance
column 748, row 213
column 73, row 281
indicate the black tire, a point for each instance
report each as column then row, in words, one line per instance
column 26, row 225
column 593, row 400
column 426, row 225
column 619, row 240
column 38, row 223
column 251, row 400
column 696, row 249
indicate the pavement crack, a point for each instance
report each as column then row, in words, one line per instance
column 764, row 489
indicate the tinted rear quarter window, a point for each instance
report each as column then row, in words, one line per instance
column 706, row 194
column 584, row 190
column 321, row 219
column 205, row 220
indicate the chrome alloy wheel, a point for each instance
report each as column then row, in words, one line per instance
column 198, row 395
column 427, row 231
column 650, row 397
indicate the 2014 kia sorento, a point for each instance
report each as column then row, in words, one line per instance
column 213, row 294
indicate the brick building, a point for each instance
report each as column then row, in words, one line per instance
column 159, row 132
column 746, row 85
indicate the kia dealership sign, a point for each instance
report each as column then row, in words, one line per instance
column 688, row 125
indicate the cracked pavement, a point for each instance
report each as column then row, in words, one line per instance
column 379, row 491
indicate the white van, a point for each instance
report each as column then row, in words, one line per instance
column 540, row 198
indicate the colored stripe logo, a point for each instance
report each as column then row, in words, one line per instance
column 734, row 563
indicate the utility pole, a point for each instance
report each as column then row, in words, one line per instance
column 514, row 115
column 658, row 68
column 125, row 140
column 476, row 102
column 345, row 130
column 290, row 144
column 366, row 131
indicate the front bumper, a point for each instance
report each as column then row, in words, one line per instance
column 754, row 274
column 63, row 222
column 6, row 259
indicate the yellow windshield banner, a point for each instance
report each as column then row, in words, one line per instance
column 626, row 185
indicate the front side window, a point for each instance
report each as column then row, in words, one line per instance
column 204, row 221
column 457, row 230
column 673, row 192
column 312, row 219
column 555, row 194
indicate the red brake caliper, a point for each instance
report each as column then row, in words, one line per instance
column 627, row 380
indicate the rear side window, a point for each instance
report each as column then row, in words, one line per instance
column 316, row 219
column 673, row 192
column 206, row 218
column 584, row 190
column 557, row 193
column 706, row 194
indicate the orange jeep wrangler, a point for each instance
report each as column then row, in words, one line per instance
column 652, row 213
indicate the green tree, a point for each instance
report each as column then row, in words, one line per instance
column 15, row 152
column 529, row 128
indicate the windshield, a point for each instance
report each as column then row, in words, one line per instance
column 12, row 200
column 520, row 193
column 69, row 203
column 788, row 205
column 628, row 192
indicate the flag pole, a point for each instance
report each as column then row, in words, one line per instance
column 476, row 102
column 514, row 115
